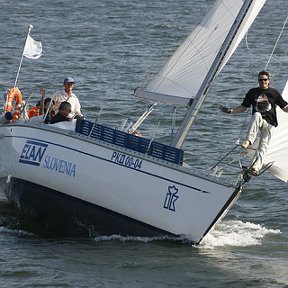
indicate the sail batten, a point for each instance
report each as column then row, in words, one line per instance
column 158, row 97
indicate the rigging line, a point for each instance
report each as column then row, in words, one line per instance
column 251, row 72
column 281, row 62
column 124, row 59
column 242, row 126
column 227, row 154
column 249, row 53
column 153, row 137
column 276, row 43
column 173, row 122
column 154, row 68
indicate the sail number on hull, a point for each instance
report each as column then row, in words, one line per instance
column 126, row 160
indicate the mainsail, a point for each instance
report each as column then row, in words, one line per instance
column 278, row 148
column 183, row 75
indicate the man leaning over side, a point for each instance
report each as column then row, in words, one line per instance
column 264, row 101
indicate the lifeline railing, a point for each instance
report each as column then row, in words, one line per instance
column 130, row 141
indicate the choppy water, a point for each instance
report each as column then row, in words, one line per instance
column 109, row 48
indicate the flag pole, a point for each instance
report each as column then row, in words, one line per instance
column 30, row 27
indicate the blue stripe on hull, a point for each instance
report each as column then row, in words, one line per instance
column 63, row 215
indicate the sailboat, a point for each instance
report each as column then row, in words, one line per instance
column 59, row 173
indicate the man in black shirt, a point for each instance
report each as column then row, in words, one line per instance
column 263, row 100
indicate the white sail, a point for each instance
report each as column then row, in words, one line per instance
column 183, row 75
column 278, row 147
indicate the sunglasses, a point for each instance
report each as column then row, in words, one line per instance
column 263, row 79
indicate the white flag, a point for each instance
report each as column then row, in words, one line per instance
column 32, row 49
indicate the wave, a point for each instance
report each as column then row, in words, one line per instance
column 227, row 233
column 236, row 233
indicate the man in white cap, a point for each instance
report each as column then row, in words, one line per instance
column 69, row 96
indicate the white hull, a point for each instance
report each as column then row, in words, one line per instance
column 161, row 195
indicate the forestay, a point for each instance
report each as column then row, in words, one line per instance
column 278, row 148
column 183, row 75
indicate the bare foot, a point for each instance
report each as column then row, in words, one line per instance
column 246, row 144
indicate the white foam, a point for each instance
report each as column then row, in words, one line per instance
column 227, row 233
column 236, row 233
column 131, row 238
column 17, row 232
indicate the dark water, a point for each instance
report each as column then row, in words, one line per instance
column 110, row 47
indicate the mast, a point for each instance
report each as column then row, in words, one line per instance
column 209, row 79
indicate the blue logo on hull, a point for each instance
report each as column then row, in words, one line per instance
column 33, row 152
column 171, row 198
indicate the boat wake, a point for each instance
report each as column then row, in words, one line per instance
column 135, row 238
column 233, row 233
column 236, row 233
column 5, row 230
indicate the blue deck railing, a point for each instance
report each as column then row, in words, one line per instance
column 126, row 140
